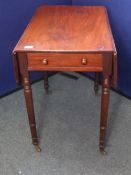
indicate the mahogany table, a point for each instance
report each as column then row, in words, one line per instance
column 67, row 38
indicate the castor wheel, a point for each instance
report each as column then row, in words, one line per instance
column 103, row 152
column 37, row 147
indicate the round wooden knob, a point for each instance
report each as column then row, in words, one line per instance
column 84, row 61
column 45, row 61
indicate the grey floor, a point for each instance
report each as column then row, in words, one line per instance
column 68, row 127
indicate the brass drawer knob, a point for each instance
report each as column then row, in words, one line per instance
column 84, row 61
column 45, row 61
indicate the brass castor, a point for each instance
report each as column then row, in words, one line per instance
column 103, row 152
column 37, row 147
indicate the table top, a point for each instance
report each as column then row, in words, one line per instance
column 68, row 29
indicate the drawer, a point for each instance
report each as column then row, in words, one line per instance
column 50, row 60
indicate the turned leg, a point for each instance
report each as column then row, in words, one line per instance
column 104, row 113
column 46, row 85
column 29, row 100
column 96, row 83
column 30, row 111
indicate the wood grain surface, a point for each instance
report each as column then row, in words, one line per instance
column 68, row 28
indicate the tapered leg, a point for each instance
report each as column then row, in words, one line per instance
column 30, row 111
column 96, row 83
column 46, row 85
column 29, row 101
column 104, row 113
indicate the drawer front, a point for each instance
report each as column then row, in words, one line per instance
column 42, row 60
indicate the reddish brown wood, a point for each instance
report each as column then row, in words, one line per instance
column 28, row 96
column 16, row 68
column 107, row 71
column 42, row 61
column 104, row 112
column 114, row 74
column 74, row 69
column 68, row 28
column 67, row 38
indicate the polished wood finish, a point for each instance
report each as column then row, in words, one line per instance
column 67, row 38
column 68, row 28
column 28, row 96
column 50, row 61
column 104, row 112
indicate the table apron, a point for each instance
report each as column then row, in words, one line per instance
column 72, row 69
